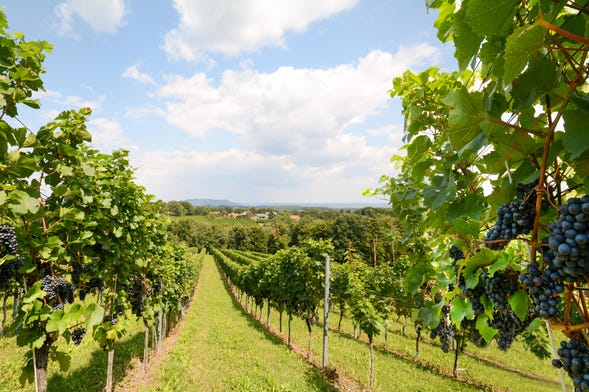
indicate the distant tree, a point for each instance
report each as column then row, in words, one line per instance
column 175, row 208
column 188, row 207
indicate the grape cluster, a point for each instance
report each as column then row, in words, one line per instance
column 500, row 287
column 444, row 330
column 569, row 241
column 8, row 246
column 78, row 272
column 574, row 359
column 78, row 335
column 59, row 291
column 545, row 288
column 8, row 270
column 513, row 219
column 508, row 326
column 138, row 294
column 8, row 239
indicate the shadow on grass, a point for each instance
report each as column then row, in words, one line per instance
column 417, row 363
column 93, row 376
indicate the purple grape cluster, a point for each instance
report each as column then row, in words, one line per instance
column 569, row 241
column 59, row 291
column 574, row 359
column 444, row 330
column 545, row 288
column 513, row 219
column 78, row 335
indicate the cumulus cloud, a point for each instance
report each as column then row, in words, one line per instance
column 246, row 176
column 101, row 15
column 231, row 27
column 132, row 72
column 291, row 110
column 71, row 101
column 107, row 135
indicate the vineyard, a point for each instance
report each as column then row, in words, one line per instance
column 487, row 247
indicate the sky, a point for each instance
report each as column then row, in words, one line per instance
column 254, row 101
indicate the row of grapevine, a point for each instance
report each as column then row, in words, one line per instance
column 292, row 281
column 80, row 243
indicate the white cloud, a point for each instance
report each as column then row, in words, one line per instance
column 244, row 176
column 132, row 72
column 107, row 135
column 231, row 27
column 290, row 111
column 102, row 15
column 71, row 101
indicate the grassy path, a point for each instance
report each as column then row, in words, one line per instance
column 222, row 349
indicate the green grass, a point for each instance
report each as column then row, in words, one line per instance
column 394, row 371
column 221, row 348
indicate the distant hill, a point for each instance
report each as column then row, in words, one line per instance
column 214, row 203
column 289, row 206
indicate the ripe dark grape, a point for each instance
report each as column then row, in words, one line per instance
column 78, row 335
column 501, row 286
column 444, row 330
column 568, row 241
column 9, row 270
column 8, row 242
column 513, row 219
column 138, row 295
column 455, row 253
column 59, row 291
column 508, row 326
column 8, row 246
column 545, row 288
column 574, row 359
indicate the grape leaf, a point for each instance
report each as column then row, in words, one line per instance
column 466, row 40
column 521, row 45
column 576, row 139
column 486, row 331
column 520, row 303
column 466, row 115
column 491, row 17
column 461, row 309
column 94, row 315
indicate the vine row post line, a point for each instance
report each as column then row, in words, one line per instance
column 326, row 312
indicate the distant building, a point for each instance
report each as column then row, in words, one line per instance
column 265, row 215
column 295, row 218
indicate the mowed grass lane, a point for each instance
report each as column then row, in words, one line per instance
column 223, row 349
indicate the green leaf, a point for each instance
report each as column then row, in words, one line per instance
column 73, row 313
column 538, row 79
column 430, row 313
column 471, row 270
column 461, row 309
column 94, row 315
column 491, row 17
column 471, row 205
column 34, row 293
column 466, row 40
column 576, row 137
column 486, row 331
column 466, row 229
column 55, row 323
column 520, row 303
column 442, row 190
column 465, row 116
column 524, row 43
column 21, row 203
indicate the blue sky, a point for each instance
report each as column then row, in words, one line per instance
column 248, row 100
